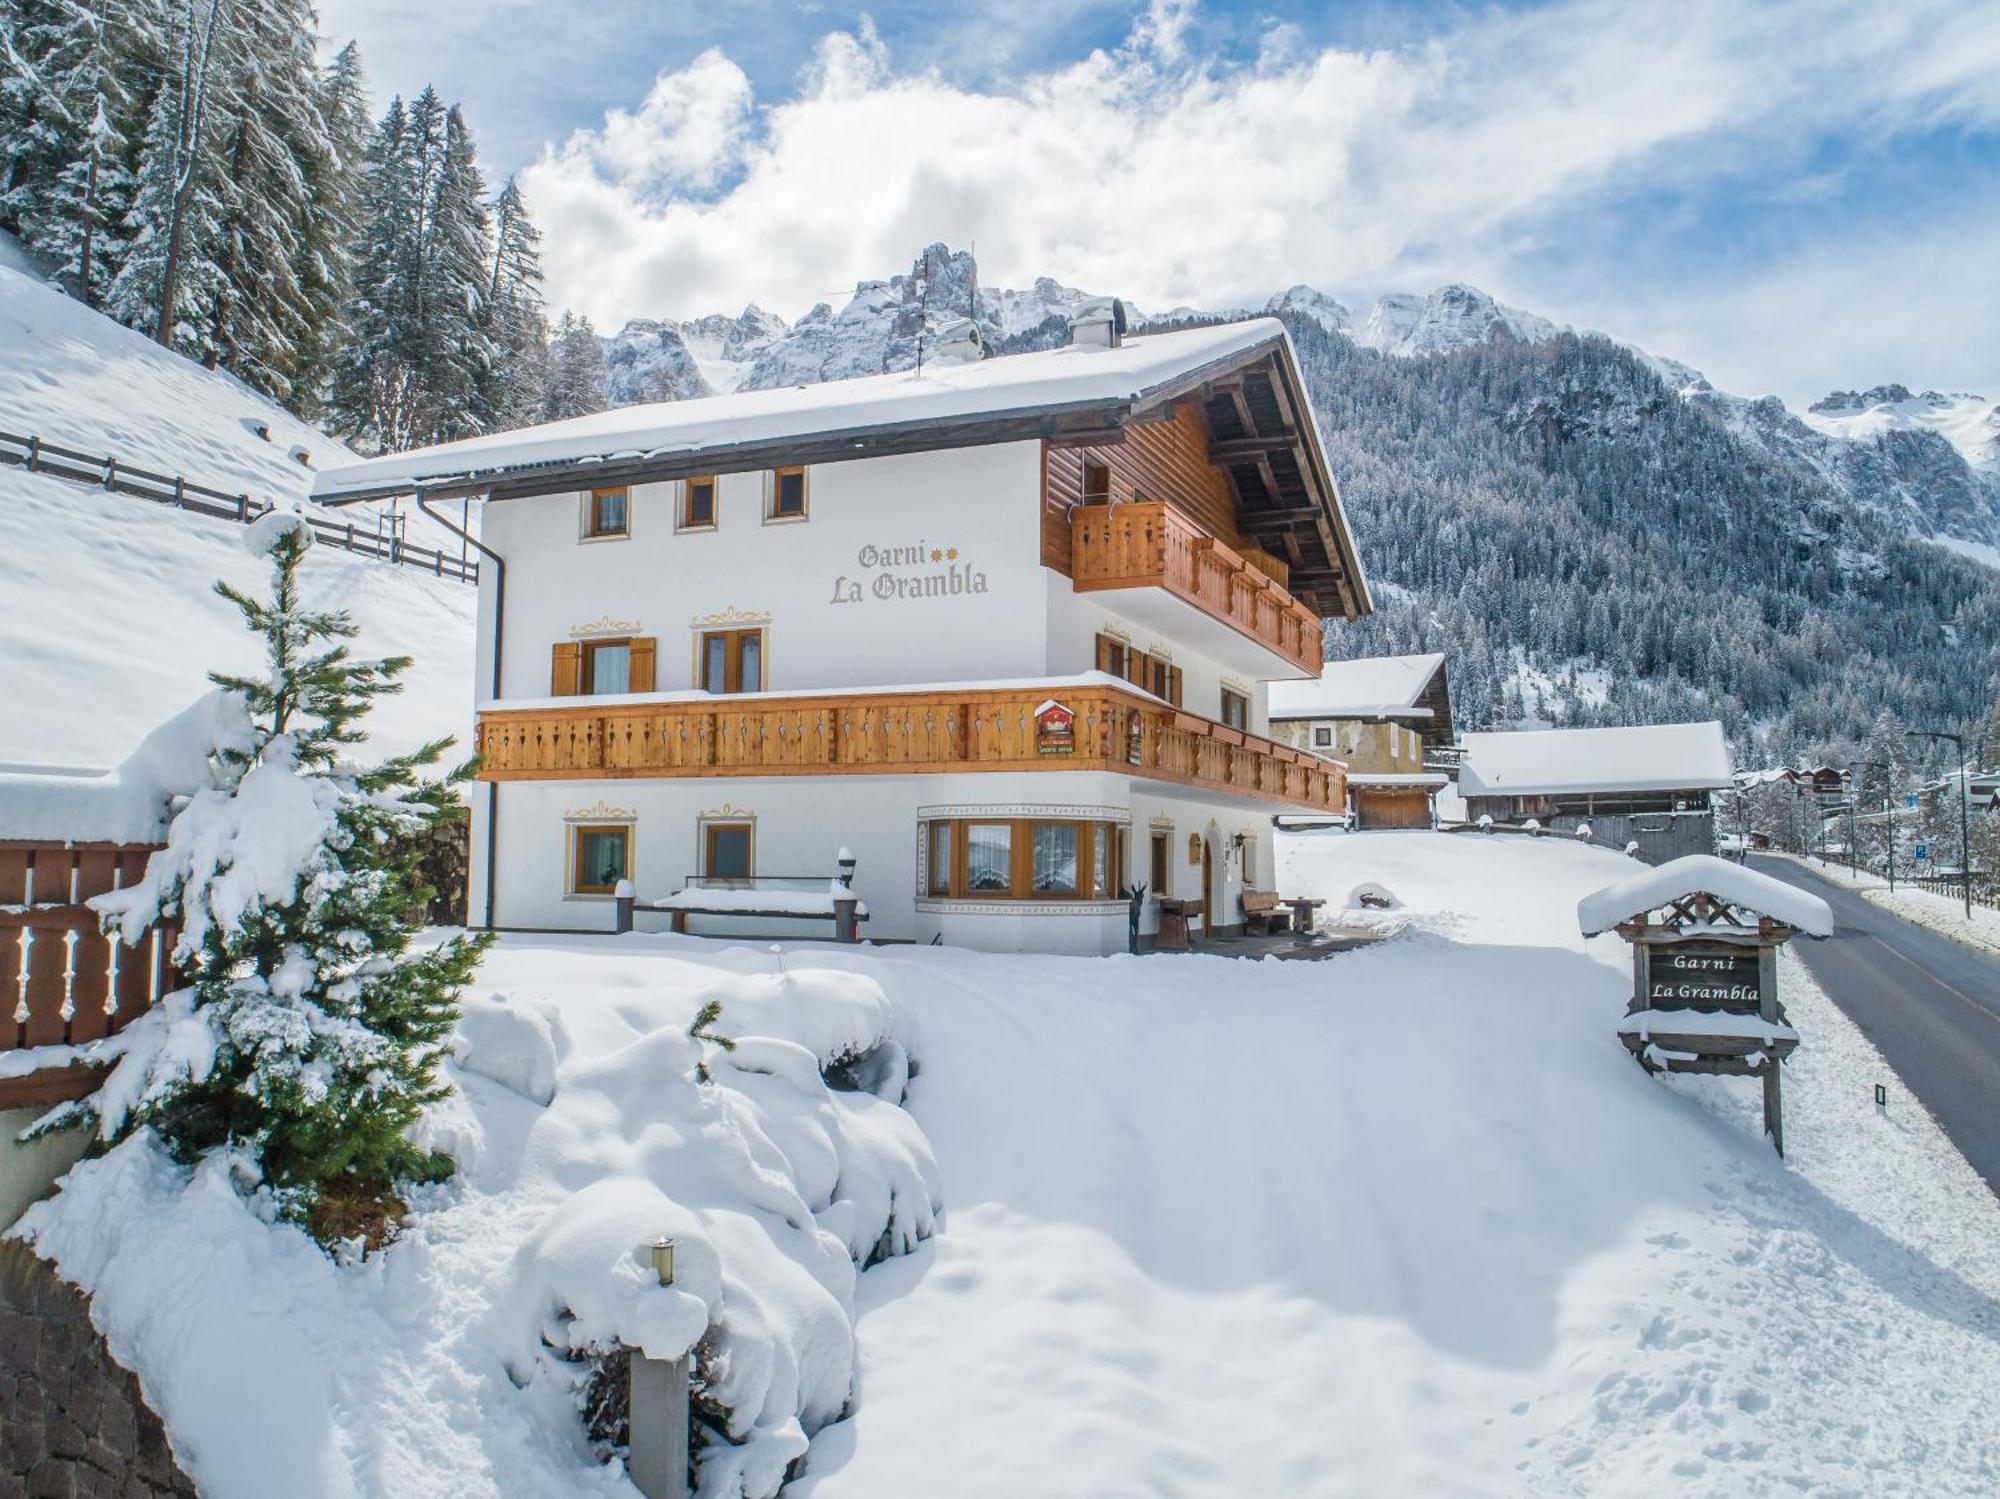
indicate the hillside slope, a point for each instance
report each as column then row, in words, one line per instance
column 110, row 621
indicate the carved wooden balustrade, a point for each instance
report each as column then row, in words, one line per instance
column 1149, row 544
column 898, row 732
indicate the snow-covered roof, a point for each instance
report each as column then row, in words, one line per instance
column 129, row 804
column 1653, row 757
column 1370, row 687
column 1397, row 778
column 1073, row 376
column 1726, row 880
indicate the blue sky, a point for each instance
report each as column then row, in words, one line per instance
column 1792, row 195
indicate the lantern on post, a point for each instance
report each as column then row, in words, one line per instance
column 1705, row 935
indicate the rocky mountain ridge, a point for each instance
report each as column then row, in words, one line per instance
column 1927, row 463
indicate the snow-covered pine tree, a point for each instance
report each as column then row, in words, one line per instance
column 310, row 1034
column 519, row 326
column 268, row 130
column 331, row 244
column 66, row 101
column 578, row 381
column 457, row 355
column 167, row 281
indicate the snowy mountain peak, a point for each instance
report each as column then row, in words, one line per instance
column 1317, row 305
column 1970, row 423
column 1452, row 317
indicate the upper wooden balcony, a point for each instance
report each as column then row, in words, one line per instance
column 899, row 733
column 1150, row 544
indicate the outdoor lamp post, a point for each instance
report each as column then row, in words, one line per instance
column 1964, row 810
column 1888, row 809
column 661, row 1253
column 846, row 860
column 1853, row 793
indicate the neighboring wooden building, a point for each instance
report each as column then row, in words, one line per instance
column 1381, row 716
column 1002, row 630
column 1649, row 785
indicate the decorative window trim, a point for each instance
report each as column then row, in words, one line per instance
column 938, row 905
column 1159, row 822
column 606, row 626
column 727, row 812
column 601, row 812
column 724, row 618
column 994, row 811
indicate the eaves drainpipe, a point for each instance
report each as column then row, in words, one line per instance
column 499, row 640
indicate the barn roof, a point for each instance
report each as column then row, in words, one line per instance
column 1652, row 757
column 1367, row 687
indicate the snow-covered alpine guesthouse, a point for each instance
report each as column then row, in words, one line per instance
column 1001, row 629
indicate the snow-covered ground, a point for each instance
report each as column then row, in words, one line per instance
column 110, row 622
column 1407, row 1221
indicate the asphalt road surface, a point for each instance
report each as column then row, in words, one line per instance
column 1930, row 1005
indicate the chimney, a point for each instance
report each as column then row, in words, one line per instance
column 960, row 342
column 1098, row 324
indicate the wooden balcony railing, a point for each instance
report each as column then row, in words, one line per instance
column 1149, row 544
column 899, row 733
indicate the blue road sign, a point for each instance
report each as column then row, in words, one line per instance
column 1923, row 851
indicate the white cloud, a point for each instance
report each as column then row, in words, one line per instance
column 1151, row 171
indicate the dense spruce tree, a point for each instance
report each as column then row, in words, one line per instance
column 295, row 880
column 578, row 380
column 188, row 166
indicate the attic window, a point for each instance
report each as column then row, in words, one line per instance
column 1096, row 483
column 607, row 512
column 698, row 503
column 788, row 494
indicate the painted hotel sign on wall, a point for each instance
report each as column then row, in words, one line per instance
column 1055, row 729
column 921, row 571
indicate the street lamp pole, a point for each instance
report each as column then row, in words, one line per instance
column 1888, row 810
column 1853, row 791
column 1964, row 810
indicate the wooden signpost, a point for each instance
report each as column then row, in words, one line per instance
column 1705, row 971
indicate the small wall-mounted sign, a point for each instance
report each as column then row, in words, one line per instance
column 1055, row 729
column 1194, row 848
column 1135, row 737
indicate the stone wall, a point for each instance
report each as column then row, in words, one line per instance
column 73, row 1424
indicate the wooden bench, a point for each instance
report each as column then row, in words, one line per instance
column 1264, row 912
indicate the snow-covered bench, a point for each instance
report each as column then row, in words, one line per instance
column 804, row 899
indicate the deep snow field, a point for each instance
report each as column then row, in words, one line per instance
column 1404, row 1222
column 108, row 621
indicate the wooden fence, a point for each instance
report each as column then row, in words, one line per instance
column 110, row 473
column 1985, row 890
column 62, row 981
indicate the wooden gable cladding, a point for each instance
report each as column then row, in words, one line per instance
column 1235, row 454
column 1165, row 459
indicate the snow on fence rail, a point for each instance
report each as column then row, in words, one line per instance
column 1985, row 890
column 109, row 472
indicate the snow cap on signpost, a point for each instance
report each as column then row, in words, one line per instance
column 1704, row 874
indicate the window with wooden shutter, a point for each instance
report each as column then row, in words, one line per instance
column 565, row 669
column 642, row 669
column 1111, row 655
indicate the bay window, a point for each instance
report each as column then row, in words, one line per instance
column 1021, row 858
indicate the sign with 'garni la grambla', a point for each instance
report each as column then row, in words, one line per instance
column 1705, row 976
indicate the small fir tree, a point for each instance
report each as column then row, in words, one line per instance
column 296, row 881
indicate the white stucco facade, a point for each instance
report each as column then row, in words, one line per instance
column 905, row 571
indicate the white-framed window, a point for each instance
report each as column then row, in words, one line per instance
column 599, row 856
column 607, row 513
column 785, row 494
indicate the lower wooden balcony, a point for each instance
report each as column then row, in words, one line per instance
column 901, row 733
column 1150, row 545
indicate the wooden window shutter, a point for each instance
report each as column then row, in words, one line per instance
column 641, row 678
column 566, row 669
column 1174, row 685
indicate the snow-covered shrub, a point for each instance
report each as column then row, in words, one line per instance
column 1485, row 822
column 309, row 1037
column 1532, row 826
column 1583, row 831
